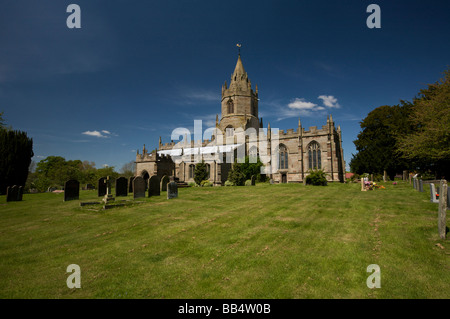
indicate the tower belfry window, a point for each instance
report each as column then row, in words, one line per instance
column 230, row 105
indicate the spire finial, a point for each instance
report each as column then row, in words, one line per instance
column 239, row 50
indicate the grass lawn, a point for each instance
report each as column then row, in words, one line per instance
column 267, row 241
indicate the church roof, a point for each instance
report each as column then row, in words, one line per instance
column 239, row 69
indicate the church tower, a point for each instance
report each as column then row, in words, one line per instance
column 239, row 101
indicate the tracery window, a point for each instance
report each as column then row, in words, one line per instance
column 283, row 157
column 314, row 156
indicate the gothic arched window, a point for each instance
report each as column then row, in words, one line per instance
column 314, row 156
column 208, row 171
column 253, row 154
column 191, row 170
column 283, row 157
column 230, row 105
column 229, row 131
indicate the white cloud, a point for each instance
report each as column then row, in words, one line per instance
column 301, row 104
column 101, row 134
column 329, row 101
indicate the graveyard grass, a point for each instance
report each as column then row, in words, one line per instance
column 263, row 241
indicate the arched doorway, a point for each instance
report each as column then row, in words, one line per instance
column 146, row 176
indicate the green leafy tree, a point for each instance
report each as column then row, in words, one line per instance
column 200, row 173
column 317, row 178
column 16, row 151
column 237, row 174
column 428, row 145
column 250, row 169
column 376, row 143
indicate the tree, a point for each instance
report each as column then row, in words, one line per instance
column 2, row 121
column 376, row 143
column 128, row 169
column 429, row 142
column 16, row 151
column 237, row 175
column 200, row 173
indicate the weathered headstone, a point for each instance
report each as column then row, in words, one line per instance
column 253, row 179
column 433, row 194
column 138, row 187
column 164, row 182
column 405, row 175
column 11, row 193
column 385, row 177
column 130, row 184
column 420, row 185
column 154, row 188
column 442, row 213
column 19, row 193
column 101, row 186
column 71, row 190
column 121, row 187
column 172, row 190
column 90, row 187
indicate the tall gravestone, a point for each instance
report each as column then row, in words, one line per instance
column 433, row 194
column 164, row 182
column 19, row 193
column 101, row 186
column 154, row 188
column 420, row 185
column 121, row 186
column 138, row 187
column 71, row 190
column 11, row 193
column 172, row 190
column 130, row 184
column 442, row 212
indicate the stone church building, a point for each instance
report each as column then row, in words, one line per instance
column 288, row 155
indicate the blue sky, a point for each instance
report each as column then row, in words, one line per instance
column 136, row 70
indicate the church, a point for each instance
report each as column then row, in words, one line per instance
column 287, row 155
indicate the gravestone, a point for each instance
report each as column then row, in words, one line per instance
column 433, row 194
column 19, row 193
column 138, row 187
column 154, row 188
column 11, row 193
column 121, row 187
column 442, row 212
column 164, row 182
column 71, row 190
column 130, row 184
column 420, row 185
column 101, row 186
column 172, row 190
column 385, row 177
column 90, row 187
column 405, row 175
column 253, row 179
column 108, row 196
